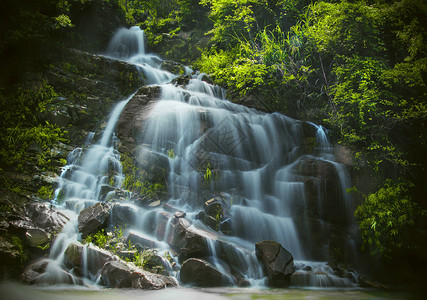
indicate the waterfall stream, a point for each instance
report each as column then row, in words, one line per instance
column 257, row 166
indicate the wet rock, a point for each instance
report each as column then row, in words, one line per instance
column 321, row 177
column 173, row 67
column 91, row 84
column 93, row 218
column 123, row 214
column 47, row 272
column 213, row 214
column 177, row 212
column 45, row 216
column 75, row 253
column 200, row 273
column 162, row 224
column 278, row 263
column 154, row 165
column 118, row 274
column 187, row 241
column 226, row 227
column 136, row 111
column 154, row 263
column 139, row 241
column 146, row 280
column 37, row 237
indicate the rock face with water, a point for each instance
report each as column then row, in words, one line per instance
column 84, row 258
column 90, row 85
column 278, row 263
column 200, row 273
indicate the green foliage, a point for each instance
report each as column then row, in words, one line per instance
column 45, row 192
column 208, row 174
column 357, row 67
column 385, row 217
column 19, row 245
column 26, row 138
column 134, row 180
column 171, row 154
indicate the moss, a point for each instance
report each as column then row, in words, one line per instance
column 135, row 180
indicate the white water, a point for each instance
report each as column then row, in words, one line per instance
column 252, row 156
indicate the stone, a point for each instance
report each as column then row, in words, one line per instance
column 139, row 241
column 186, row 240
column 177, row 212
column 136, row 111
column 95, row 258
column 93, row 218
column 123, row 214
column 45, row 216
column 37, row 237
column 277, row 263
column 146, row 280
column 200, row 273
column 118, row 274
column 47, row 272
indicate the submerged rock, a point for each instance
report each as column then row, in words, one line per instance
column 278, row 263
column 200, row 273
column 93, row 218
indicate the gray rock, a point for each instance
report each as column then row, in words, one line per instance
column 200, row 273
column 118, row 274
column 36, row 237
column 47, row 272
column 45, row 216
column 186, row 240
column 123, row 214
column 95, row 258
column 139, row 241
column 278, row 263
column 93, row 218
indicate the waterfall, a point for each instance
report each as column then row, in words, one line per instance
column 258, row 163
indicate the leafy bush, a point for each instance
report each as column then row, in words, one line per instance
column 385, row 218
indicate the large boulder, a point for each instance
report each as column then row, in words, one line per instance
column 200, row 273
column 123, row 214
column 86, row 257
column 94, row 218
column 278, row 263
column 186, row 240
column 119, row 274
column 45, row 216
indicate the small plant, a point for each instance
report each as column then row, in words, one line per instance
column 171, row 154
column 208, row 173
column 45, row 193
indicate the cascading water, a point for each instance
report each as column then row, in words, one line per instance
column 256, row 161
